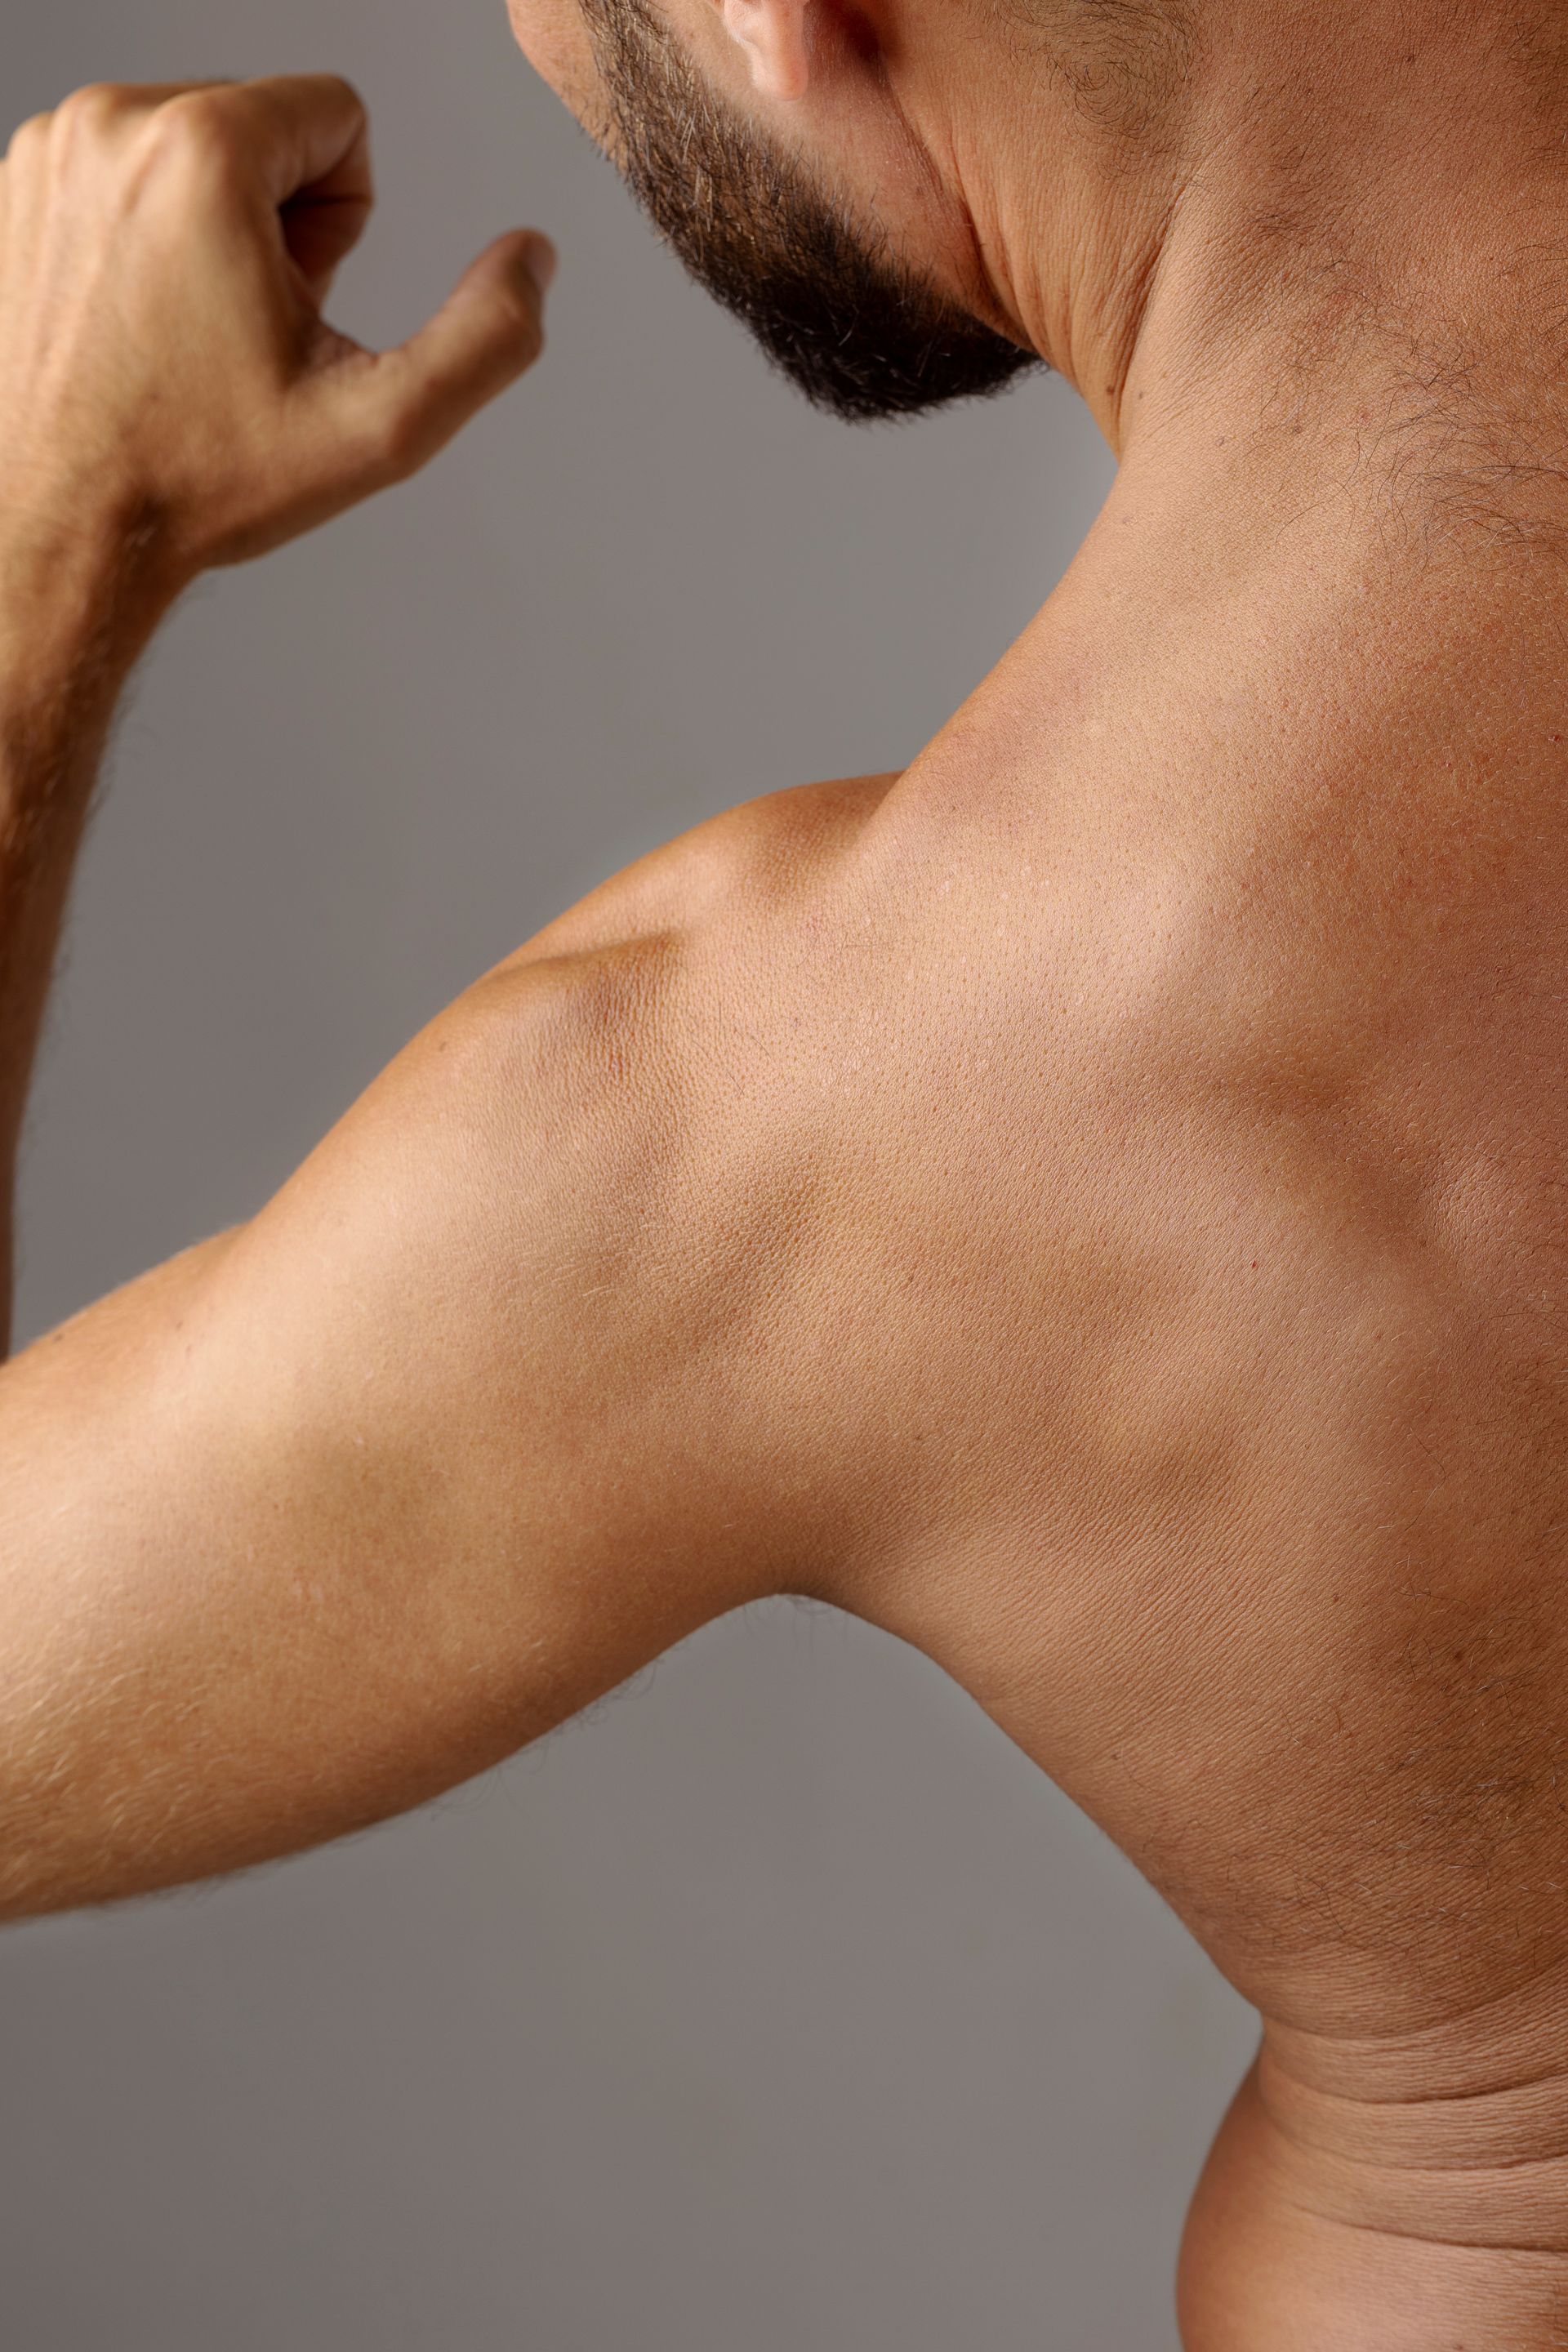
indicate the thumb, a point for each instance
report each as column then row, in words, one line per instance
column 411, row 401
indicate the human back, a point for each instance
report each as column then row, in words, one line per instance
column 1088, row 1203
column 1169, row 1064
column 1239, row 1182
column 1148, row 1204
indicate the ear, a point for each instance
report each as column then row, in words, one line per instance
column 774, row 34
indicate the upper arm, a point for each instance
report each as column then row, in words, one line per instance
column 345, row 1505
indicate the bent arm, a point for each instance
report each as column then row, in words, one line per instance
column 345, row 1505
column 68, row 633
column 285, row 1535
column 170, row 397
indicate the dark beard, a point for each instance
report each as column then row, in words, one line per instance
column 850, row 326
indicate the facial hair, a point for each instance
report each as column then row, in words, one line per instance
column 848, row 325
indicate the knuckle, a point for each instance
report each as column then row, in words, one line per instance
column 397, row 445
column 88, row 112
column 29, row 141
column 519, row 326
column 368, row 441
column 193, row 131
column 528, row 327
column 197, row 117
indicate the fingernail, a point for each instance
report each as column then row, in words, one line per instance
column 539, row 257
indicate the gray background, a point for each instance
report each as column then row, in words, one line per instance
column 782, row 2004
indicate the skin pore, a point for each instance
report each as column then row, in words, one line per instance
column 1090, row 1204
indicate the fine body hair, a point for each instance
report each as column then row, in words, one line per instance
column 1125, row 62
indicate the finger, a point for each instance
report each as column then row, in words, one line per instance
column 413, row 400
column 302, row 140
column 299, row 131
column 319, row 137
column 320, row 228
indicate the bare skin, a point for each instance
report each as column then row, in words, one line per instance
column 1090, row 1204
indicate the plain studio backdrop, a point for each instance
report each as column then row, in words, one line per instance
column 781, row 2005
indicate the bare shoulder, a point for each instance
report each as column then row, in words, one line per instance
column 750, row 856
column 597, row 1156
column 609, row 1037
column 593, row 1050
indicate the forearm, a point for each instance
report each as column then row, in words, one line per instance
column 72, row 619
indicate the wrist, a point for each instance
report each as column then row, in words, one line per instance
column 77, row 599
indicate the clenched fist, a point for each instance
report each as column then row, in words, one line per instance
column 167, row 379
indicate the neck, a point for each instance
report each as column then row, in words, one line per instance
column 1344, row 437
column 1346, row 215
column 1417, row 388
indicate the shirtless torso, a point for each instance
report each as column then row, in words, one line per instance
column 1090, row 1204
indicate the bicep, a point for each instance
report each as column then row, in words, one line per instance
column 345, row 1505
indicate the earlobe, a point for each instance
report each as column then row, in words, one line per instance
column 774, row 34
